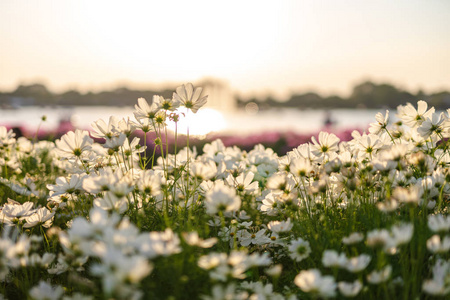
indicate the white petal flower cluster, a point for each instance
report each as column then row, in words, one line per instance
column 377, row 277
column 189, row 97
column 44, row 291
column 122, row 251
column 15, row 213
column 74, row 144
column 439, row 285
column 389, row 240
column 439, row 223
column 111, row 217
column 221, row 198
column 193, row 239
column 235, row 265
column 350, row 289
column 299, row 249
column 312, row 281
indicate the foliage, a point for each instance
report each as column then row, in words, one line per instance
column 365, row 219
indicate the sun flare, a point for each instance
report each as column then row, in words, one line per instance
column 205, row 121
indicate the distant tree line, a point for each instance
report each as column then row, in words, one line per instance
column 38, row 94
column 364, row 95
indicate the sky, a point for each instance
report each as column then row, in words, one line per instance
column 257, row 47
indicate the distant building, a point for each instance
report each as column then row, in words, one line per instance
column 220, row 96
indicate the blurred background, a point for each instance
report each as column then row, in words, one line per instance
column 276, row 72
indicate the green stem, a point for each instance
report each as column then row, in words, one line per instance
column 145, row 152
column 175, row 161
column 187, row 155
column 387, row 131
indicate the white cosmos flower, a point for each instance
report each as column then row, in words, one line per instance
column 246, row 238
column 411, row 194
column 47, row 259
column 281, row 182
column 257, row 260
column 150, row 182
column 412, row 117
column 145, row 124
column 166, row 104
column 192, row 239
column 330, row 258
column 132, row 148
column 160, row 119
column 44, row 261
column 64, row 185
column 145, row 111
column 214, row 149
column 353, row 238
column 222, row 267
column 96, row 183
column 377, row 277
column 261, row 291
column 103, row 130
column 117, row 270
column 78, row 296
column 328, row 142
column 271, row 204
column 115, row 141
column 99, row 221
column 244, row 183
column 402, row 233
column 204, row 170
column 275, row 270
column 396, row 152
column 280, row 226
column 379, row 238
column 382, row 123
column 190, row 98
column 126, row 126
column 42, row 216
column 312, row 281
column 221, row 198
column 24, row 145
column 264, row 170
column 350, row 289
column 111, row 202
column 220, row 292
column 165, row 243
column 299, row 249
column 436, row 245
column 435, row 124
column 438, row 286
column 73, row 144
column 439, row 223
column 303, row 151
column 212, row 260
column 301, row 166
column 369, row 144
column 44, row 291
column 17, row 210
column 6, row 136
column 358, row 263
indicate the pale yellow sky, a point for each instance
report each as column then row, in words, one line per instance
column 257, row 46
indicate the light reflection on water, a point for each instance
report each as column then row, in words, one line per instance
column 201, row 123
column 206, row 120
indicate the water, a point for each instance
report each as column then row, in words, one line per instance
column 237, row 123
column 300, row 121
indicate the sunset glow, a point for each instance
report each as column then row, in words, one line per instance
column 259, row 47
column 205, row 121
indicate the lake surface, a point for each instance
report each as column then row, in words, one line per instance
column 239, row 122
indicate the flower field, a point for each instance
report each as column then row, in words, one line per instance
column 365, row 219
